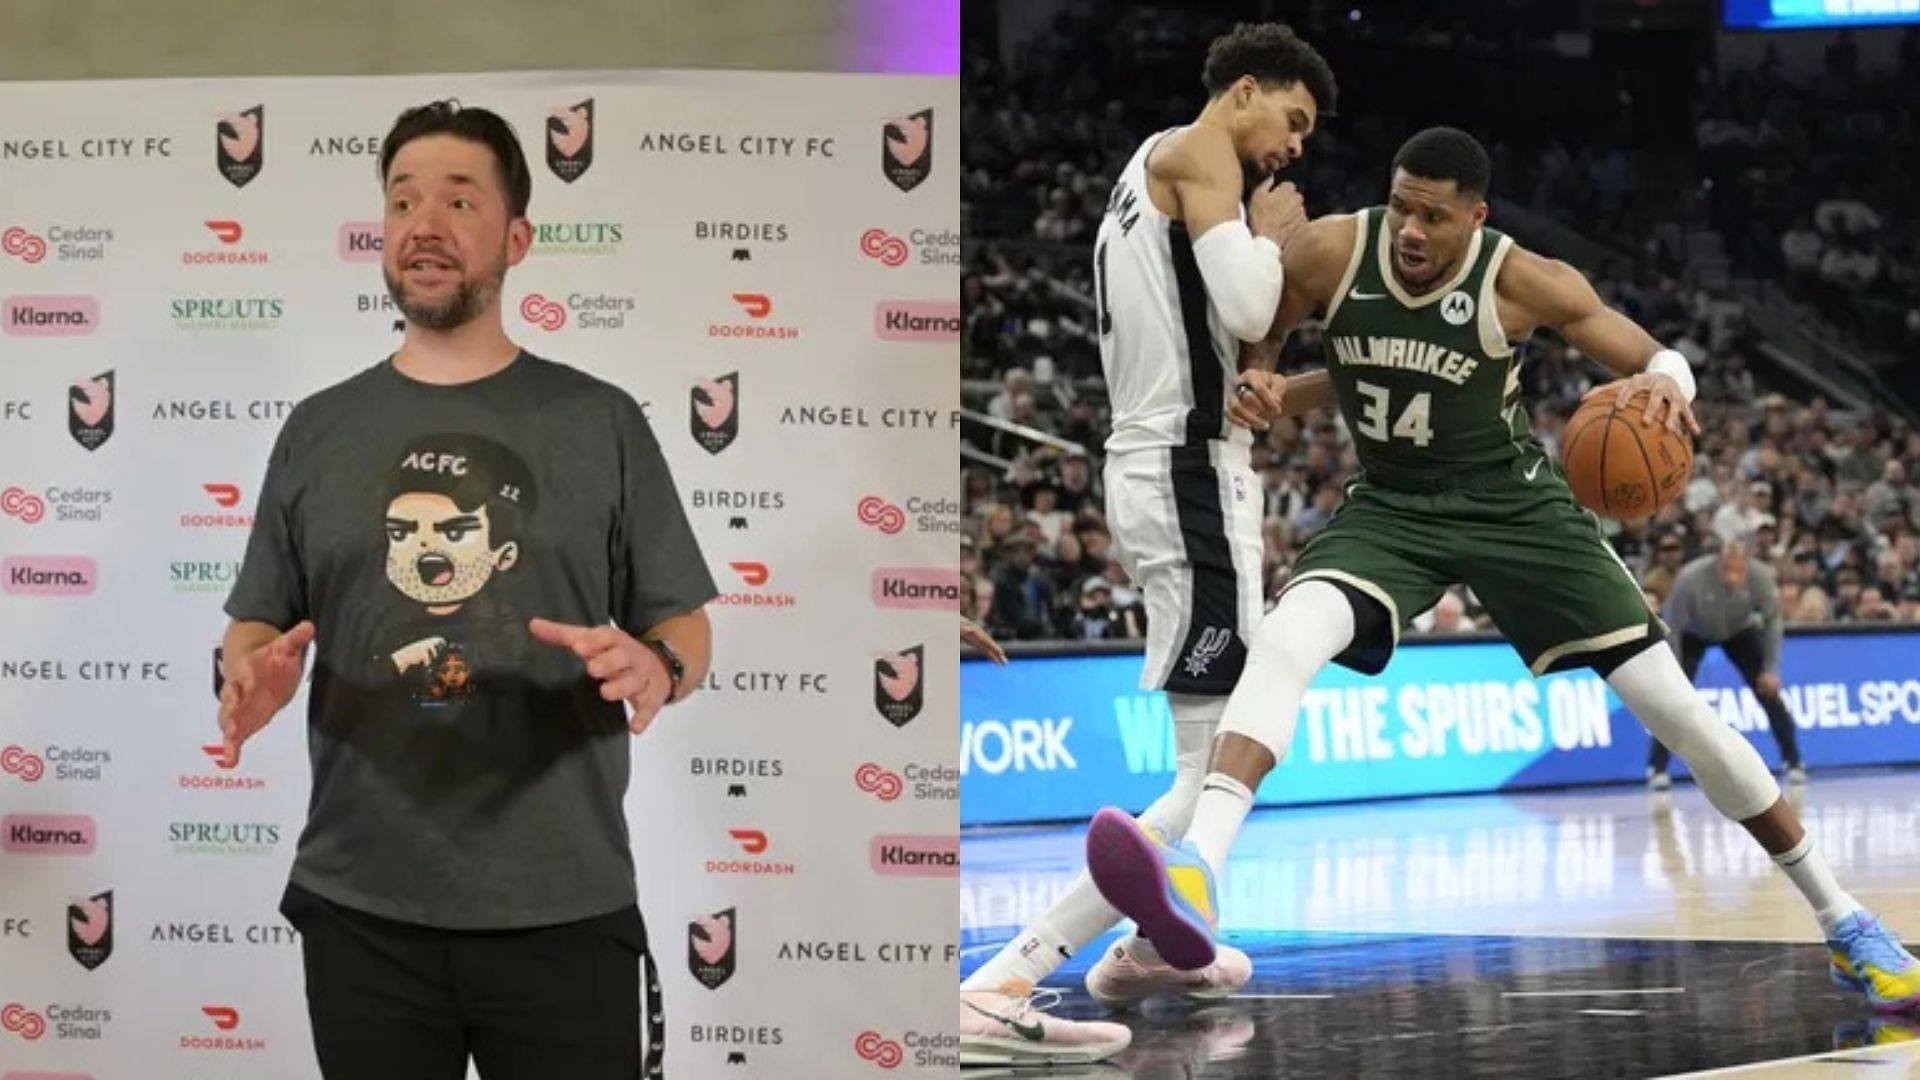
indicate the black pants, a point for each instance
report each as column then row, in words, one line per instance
column 397, row 1001
column 1748, row 654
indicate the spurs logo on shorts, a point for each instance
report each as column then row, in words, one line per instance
column 1212, row 642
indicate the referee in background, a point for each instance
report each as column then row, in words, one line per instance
column 1727, row 601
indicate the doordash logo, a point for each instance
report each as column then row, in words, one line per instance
column 755, row 576
column 758, row 308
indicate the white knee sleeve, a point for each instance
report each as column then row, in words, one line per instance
column 1312, row 624
column 1194, row 719
column 1724, row 764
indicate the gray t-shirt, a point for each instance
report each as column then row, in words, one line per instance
column 465, row 774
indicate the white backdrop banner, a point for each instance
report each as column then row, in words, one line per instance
column 769, row 262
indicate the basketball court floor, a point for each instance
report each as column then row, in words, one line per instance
column 1602, row 932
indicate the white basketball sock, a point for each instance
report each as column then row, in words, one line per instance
column 1224, row 803
column 1808, row 871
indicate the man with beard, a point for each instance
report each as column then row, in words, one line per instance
column 464, row 884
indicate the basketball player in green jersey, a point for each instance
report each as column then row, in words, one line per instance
column 1423, row 308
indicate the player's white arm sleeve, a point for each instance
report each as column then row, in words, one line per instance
column 1242, row 274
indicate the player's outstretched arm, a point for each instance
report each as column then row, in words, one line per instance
column 1316, row 260
column 1537, row 291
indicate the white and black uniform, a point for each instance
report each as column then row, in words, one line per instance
column 1183, row 503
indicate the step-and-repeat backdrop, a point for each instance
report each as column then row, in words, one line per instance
column 768, row 262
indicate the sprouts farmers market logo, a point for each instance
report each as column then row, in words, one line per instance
column 50, row 316
column 582, row 311
column 48, row 575
column 63, row 1021
column 203, row 576
column 54, row 243
column 245, row 838
column 65, row 764
column 578, row 238
column 226, row 312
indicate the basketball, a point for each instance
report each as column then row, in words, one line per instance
column 1618, row 465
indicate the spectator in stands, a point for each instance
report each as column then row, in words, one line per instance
column 1448, row 616
column 1096, row 620
column 1022, row 595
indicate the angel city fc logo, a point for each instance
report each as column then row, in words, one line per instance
column 90, row 410
column 898, row 690
column 906, row 153
column 570, row 141
column 240, row 146
column 90, row 929
column 715, row 412
column 710, row 948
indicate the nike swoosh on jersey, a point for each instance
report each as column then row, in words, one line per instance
column 1029, row 1032
column 1535, row 469
column 1356, row 294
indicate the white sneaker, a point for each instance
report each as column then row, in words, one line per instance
column 1658, row 780
column 1131, row 972
column 1796, row 774
column 1011, row 1027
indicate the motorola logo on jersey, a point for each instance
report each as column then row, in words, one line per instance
column 226, row 312
column 758, row 324
column 755, row 577
column 90, row 411
column 577, row 238
column 739, row 238
column 91, row 148
column 924, row 782
column 240, row 145
column 224, row 1021
column 898, row 690
column 65, row 764
column 224, row 934
column 203, row 576
column 711, row 948
column 48, row 575
column 751, row 681
column 906, row 149
column 86, row 671
column 57, row 243
column 50, row 316
column 751, row 842
column 224, row 497
column 90, row 929
column 915, row 856
column 586, row 311
column 47, row 834
column 754, row 148
column 228, row 233
column 62, row 503
column 715, row 412
column 362, row 241
column 927, row 322
column 221, row 410
column 244, row 838
column 570, row 140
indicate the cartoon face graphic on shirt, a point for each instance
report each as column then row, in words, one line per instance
column 453, row 510
column 440, row 554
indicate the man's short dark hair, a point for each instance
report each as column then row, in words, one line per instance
column 482, row 126
column 1444, row 153
column 1275, row 56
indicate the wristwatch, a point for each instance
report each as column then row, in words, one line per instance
column 675, row 669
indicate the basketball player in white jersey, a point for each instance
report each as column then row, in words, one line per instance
column 1187, row 267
